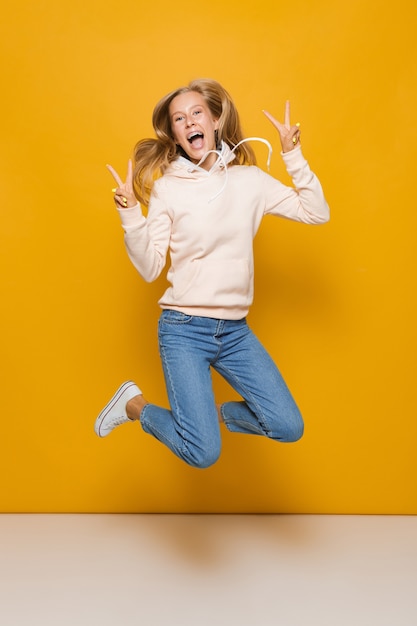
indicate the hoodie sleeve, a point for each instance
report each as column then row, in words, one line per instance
column 147, row 239
column 303, row 203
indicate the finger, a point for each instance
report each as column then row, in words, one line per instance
column 269, row 116
column 295, row 134
column 272, row 119
column 129, row 176
column 121, row 201
column 115, row 175
column 287, row 122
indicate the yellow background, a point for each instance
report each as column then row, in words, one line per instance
column 335, row 305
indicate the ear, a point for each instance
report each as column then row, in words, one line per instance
column 216, row 124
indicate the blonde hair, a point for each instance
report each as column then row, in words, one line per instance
column 153, row 156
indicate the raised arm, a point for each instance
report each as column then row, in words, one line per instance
column 305, row 202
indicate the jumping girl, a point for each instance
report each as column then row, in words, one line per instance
column 205, row 200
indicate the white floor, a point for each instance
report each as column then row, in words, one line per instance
column 123, row 570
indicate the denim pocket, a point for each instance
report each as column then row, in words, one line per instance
column 169, row 316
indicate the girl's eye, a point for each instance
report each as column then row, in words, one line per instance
column 179, row 118
column 197, row 112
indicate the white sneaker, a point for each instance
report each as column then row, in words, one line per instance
column 114, row 413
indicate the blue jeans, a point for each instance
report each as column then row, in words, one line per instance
column 189, row 346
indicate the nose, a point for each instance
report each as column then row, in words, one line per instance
column 189, row 121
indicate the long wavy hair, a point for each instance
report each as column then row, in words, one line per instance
column 153, row 156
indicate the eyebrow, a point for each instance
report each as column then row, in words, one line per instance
column 194, row 106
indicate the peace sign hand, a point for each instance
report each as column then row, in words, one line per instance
column 123, row 194
column 289, row 135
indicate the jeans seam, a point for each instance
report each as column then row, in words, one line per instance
column 156, row 430
column 178, row 320
column 259, row 414
column 184, row 447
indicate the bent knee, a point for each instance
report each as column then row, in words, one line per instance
column 202, row 459
column 289, row 432
column 295, row 433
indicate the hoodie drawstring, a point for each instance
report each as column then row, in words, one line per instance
column 224, row 164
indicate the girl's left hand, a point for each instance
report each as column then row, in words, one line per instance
column 289, row 135
column 124, row 196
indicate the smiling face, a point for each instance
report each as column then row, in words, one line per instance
column 193, row 126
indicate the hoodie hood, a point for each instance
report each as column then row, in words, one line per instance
column 184, row 168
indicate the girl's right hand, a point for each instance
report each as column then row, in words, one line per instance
column 123, row 193
column 289, row 135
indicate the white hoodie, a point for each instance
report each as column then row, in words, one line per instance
column 207, row 220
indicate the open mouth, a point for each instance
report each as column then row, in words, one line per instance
column 195, row 137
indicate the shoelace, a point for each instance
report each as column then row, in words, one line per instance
column 116, row 421
column 221, row 158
